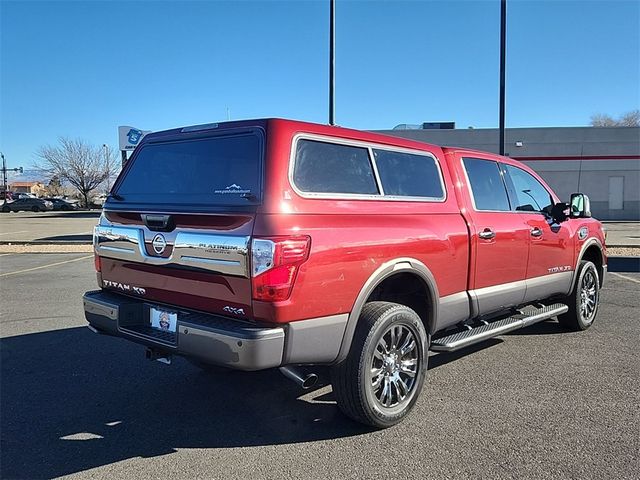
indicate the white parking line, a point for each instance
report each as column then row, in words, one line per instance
column 13, row 233
column 44, row 266
column 635, row 280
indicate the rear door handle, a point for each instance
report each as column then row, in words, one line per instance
column 536, row 232
column 487, row 234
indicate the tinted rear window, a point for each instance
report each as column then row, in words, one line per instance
column 488, row 189
column 408, row 175
column 210, row 171
column 329, row 168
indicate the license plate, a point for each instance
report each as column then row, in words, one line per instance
column 163, row 320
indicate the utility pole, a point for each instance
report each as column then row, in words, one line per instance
column 332, row 62
column 503, row 61
column 4, row 174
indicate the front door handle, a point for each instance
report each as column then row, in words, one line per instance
column 536, row 232
column 487, row 234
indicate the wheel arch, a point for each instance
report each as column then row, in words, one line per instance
column 396, row 270
column 593, row 251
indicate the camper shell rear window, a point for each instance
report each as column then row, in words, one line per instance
column 211, row 171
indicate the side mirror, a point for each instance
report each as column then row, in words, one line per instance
column 558, row 212
column 580, row 206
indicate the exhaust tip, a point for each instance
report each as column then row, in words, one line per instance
column 300, row 378
column 309, row 381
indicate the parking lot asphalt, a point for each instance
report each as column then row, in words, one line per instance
column 48, row 227
column 538, row 403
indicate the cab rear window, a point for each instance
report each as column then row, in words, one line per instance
column 212, row 171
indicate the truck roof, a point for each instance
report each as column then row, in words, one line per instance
column 321, row 129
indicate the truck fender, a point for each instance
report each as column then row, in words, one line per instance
column 588, row 243
column 385, row 271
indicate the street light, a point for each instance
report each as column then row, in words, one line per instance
column 332, row 62
column 503, row 60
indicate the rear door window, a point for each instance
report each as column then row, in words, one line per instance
column 220, row 170
column 408, row 175
column 322, row 167
column 487, row 186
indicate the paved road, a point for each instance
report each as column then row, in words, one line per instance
column 539, row 403
column 48, row 226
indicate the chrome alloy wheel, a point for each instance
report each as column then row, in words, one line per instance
column 588, row 296
column 394, row 366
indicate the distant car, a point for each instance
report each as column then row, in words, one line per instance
column 62, row 204
column 18, row 196
column 6, row 195
column 26, row 204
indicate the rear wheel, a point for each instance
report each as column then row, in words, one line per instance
column 380, row 381
column 584, row 300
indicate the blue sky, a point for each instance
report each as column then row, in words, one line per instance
column 82, row 68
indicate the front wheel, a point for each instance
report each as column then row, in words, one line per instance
column 380, row 381
column 584, row 300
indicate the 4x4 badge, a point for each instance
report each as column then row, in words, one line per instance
column 159, row 244
column 234, row 310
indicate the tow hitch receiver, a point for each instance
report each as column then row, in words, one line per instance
column 158, row 355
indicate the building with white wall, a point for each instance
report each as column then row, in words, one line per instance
column 603, row 162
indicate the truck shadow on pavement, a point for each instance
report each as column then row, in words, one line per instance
column 72, row 400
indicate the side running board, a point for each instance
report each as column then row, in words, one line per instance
column 527, row 316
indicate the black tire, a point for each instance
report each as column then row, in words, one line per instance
column 584, row 300
column 35, row 209
column 65, row 208
column 353, row 379
column 5, row 209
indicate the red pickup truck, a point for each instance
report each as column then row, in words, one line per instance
column 275, row 243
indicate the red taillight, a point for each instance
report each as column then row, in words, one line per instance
column 274, row 266
column 97, row 263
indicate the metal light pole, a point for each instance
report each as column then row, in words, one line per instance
column 503, row 54
column 4, row 176
column 332, row 62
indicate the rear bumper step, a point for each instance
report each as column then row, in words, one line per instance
column 527, row 316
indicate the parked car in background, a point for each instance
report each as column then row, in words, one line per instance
column 62, row 204
column 26, row 204
column 6, row 195
column 18, row 196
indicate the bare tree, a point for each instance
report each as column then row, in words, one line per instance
column 82, row 165
column 55, row 188
column 629, row 119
